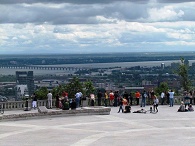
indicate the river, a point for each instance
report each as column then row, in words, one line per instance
column 91, row 65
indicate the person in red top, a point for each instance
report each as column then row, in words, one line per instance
column 111, row 95
column 137, row 96
column 64, row 93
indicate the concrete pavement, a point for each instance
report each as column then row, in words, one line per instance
column 167, row 127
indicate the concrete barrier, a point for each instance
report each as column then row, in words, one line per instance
column 78, row 112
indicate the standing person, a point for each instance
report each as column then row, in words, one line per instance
column 155, row 103
column 57, row 101
column 116, row 95
column 190, row 94
column 106, row 99
column 131, row 98
column 78, row 98
column 120, row 105
column 144, row 96
column 151, row 96
column 34, row 101
column 152, row 93
column 187, row 100
column 171, row 98
column 99, row 96
column 81, row 96
column 162, row 95
column 111, row 96
column 49, row 99
column 137, row 96
column 167, row 95
column 92, row 99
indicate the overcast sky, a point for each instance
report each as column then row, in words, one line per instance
column 96, row 26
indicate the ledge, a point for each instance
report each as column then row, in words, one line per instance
column 63, row 113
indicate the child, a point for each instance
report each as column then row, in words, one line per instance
column 120, row 105
column 155, row 103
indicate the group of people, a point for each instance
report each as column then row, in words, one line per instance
column 141, row 98
column 183, row 108
column 124, row 104
column 60, row 101
column 124, row 101
column 186, row 103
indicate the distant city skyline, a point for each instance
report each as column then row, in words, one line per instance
column 96, row 26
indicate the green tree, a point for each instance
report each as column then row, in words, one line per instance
column 73, row 87
column 88, row 88
column 59, row 90
column 41, row 93
column 162, row 88
column 182, row 71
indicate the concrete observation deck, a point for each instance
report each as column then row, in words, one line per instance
column 21, row 115
column 166, row 128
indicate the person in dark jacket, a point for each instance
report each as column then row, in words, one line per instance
column 99, row 96
column 34, row 101
column 57, row 101
column 120, row 105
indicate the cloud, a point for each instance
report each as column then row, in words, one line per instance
column 87, row 1
column 174, row 1
column 69, row 13
column 68, row 1
column 166, row 13
column 61, row 26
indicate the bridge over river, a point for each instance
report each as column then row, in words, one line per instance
column 43, row 68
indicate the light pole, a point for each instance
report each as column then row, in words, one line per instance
column 26, row 103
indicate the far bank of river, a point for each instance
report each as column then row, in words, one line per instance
column 120, row 64
column 4, row 71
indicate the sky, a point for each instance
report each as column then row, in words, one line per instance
column 96, row 26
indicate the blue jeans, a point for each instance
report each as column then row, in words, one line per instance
column 77, row 102
column 171, row 101
column 143, row 102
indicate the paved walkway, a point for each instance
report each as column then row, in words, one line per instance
column 167, row 127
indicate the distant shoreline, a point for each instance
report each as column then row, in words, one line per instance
column 118, row 64
column 4, row 71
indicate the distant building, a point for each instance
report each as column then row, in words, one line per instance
column 25, row 78
column 144, row 83
column 174, row 65
column 186, row 62
column 162, row 65
column 21, row 91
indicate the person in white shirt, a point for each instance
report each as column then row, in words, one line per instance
column 49, row 100
column 171, row 98
column 162, row 98
column 155, row 104
column 78, row 96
